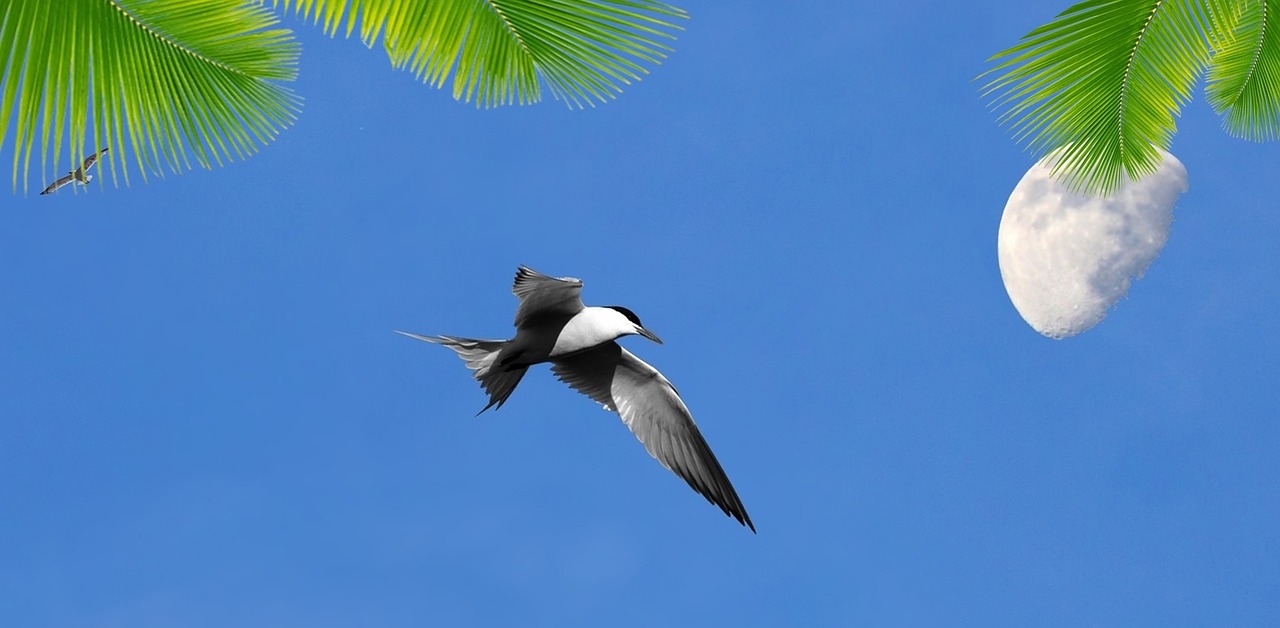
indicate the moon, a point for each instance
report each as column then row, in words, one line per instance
column 1067, row 258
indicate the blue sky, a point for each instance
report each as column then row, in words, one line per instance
column 206, row 420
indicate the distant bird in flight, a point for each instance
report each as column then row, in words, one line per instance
column 552, row 325
column 79, row 175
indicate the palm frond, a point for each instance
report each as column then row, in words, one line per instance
column 163, row 81
column 1244, row 73
column 497, row 50
column 1100, row 85
column 1224, row 18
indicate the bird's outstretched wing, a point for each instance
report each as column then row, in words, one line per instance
column 650, row 406
column 53, row 187
column 92, row 159
column 542, row 296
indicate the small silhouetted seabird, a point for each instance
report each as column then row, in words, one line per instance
column 79, row 175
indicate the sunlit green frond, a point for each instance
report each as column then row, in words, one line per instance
column 497, row 50
column 1244, row 73
column 1102, row 83
column 1224, row 18
column 162, row 81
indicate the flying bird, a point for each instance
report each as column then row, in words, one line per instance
column 79, row 175
column 552, row 325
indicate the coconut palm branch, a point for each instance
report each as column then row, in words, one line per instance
column 1102, row 83
column 1244, row 78
column 169, row 83
column 584, row 50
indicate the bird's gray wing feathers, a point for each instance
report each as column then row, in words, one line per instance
column 53, row 187
column 91, row 159
column 480, row 356
column 542, row 296
column 651, row 408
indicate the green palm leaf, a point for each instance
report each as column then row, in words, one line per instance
column 1244, row 75
column 172, row 80
column 1102, row 82
column 498, row 49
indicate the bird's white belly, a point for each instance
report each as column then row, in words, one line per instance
column 577, row 335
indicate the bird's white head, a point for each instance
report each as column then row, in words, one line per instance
column 627, row 323
column 596, row 325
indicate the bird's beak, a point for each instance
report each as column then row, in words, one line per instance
column 648, row 334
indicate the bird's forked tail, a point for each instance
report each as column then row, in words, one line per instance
column 481, row 357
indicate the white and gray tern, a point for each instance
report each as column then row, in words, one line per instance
column 80, row 175
column 552, row 325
